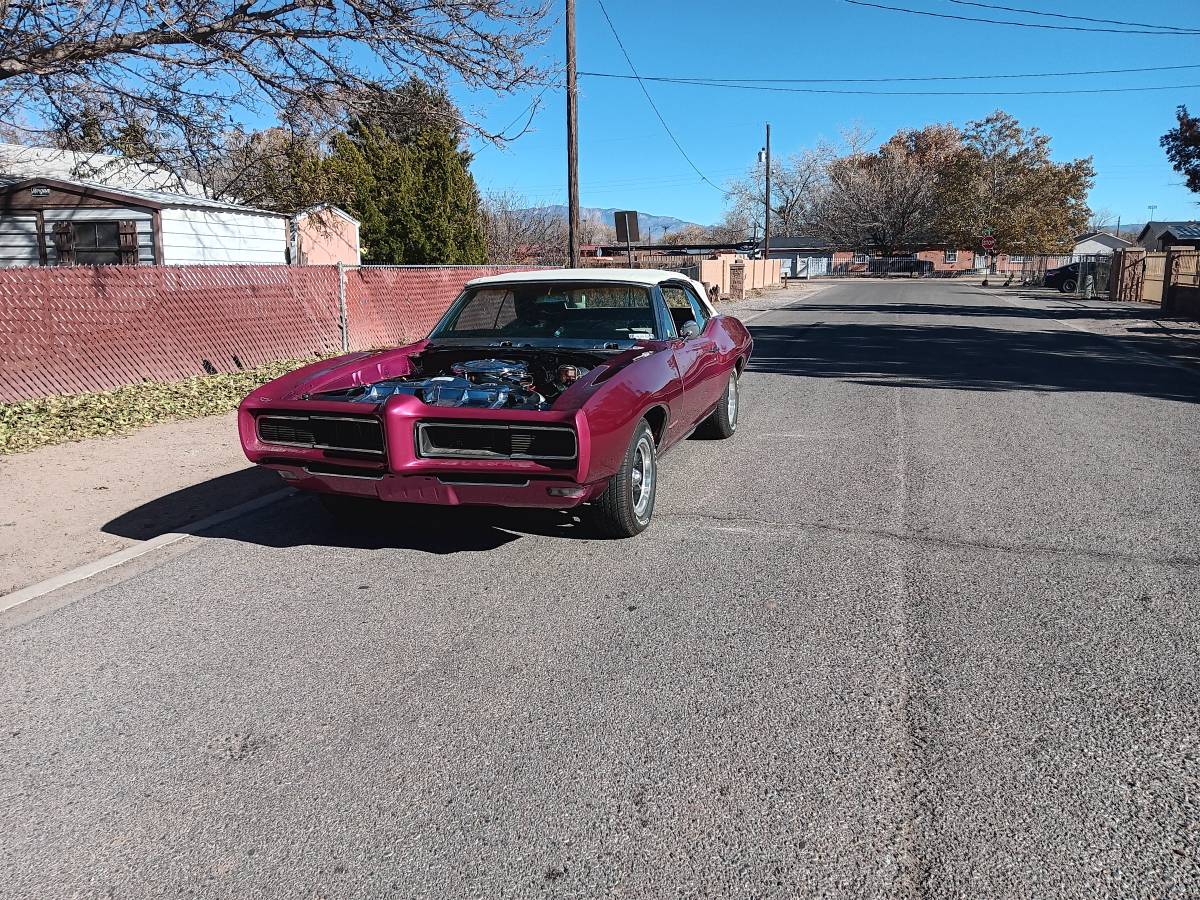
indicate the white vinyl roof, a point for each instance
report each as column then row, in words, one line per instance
column 622, row 276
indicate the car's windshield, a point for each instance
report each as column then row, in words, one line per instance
column 570, row 311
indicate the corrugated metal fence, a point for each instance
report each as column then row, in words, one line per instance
column 83, row 328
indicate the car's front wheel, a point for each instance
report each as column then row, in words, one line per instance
column 627, row 504
column 1068, row 286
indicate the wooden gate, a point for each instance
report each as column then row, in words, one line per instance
column 1154, row 274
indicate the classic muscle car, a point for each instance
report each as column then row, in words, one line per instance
column 552, row 388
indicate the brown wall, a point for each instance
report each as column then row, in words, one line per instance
column 83, row 328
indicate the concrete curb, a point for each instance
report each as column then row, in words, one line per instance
column 87, row 570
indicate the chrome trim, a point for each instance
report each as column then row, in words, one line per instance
column 515, row 484
column 378, row 477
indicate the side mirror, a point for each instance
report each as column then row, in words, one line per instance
column 690, row 330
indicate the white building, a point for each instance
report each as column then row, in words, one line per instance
column 1096, row 243
column 50, row 221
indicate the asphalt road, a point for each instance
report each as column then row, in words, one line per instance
column 927, row 626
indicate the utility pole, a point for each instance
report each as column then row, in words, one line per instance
column 572, row 144
column 767, row 201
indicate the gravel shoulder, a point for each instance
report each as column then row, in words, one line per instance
column 69, row 504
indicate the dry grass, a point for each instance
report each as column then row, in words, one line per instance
column 29, row 424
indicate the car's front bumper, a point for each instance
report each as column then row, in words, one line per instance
column 443, row 489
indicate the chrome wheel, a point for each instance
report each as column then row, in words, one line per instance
column 731, row 400
column 642, row 477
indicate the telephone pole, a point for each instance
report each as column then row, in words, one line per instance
column 572, row 144
column 767, row 200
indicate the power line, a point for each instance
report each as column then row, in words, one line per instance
column 897, row 78
column 938, row 15
column 650, row 100
column 860, row 92
column 1053, row 15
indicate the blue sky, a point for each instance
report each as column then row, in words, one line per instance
column 627, row 160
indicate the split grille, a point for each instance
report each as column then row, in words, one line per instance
column 452, row 440
column 356, row 434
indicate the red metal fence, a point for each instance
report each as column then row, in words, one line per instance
column 83, row 328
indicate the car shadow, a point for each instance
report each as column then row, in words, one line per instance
column 300, row 520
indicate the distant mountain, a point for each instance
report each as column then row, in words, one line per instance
column 646, row 221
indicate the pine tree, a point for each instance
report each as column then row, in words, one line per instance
column 413, row 192
column 1182, row 144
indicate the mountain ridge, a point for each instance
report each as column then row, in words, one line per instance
column 646, row 221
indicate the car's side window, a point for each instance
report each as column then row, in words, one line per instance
column 678, row 305
column 699, row 311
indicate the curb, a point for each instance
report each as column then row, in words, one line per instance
column 87, row 570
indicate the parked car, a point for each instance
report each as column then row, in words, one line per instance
column 552, row 388
column 1065, row 278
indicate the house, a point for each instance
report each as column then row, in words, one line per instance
column 325, row 235
column 1098, row 243
column 1162, row 235
column 800, row 256
column 47, row 221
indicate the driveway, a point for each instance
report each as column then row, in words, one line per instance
column 927, row 626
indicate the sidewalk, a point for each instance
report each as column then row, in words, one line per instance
column 72, row 503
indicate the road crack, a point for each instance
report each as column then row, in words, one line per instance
column 757, row 526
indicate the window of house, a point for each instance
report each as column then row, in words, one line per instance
column 97, row 243
column 100, row 243
column 860, row 257
column 951, row 256
column 1016, row 259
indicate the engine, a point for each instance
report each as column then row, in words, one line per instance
column 479, row 383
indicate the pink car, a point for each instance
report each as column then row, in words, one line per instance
column 540, row 389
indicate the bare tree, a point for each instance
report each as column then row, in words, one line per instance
column 798, row 183
column 168, row 81
column 516, row 233
column 889, row 199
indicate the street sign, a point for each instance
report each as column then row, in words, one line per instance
column 989, row 242
column 626, row 221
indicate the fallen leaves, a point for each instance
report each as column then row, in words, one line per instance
column 29, row 424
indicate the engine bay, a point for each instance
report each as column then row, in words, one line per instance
column 440, row 378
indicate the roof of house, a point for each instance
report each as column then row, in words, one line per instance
column 325, row 207
column 1104, row 237
column 18, row 161
column 621, row 276
column 1182, row 230
column 134, row 197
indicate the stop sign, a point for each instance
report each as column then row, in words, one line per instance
column 989, row 242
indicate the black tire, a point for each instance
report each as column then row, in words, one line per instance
column 1068, row 286
column 627, row 504
column 722, row 423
